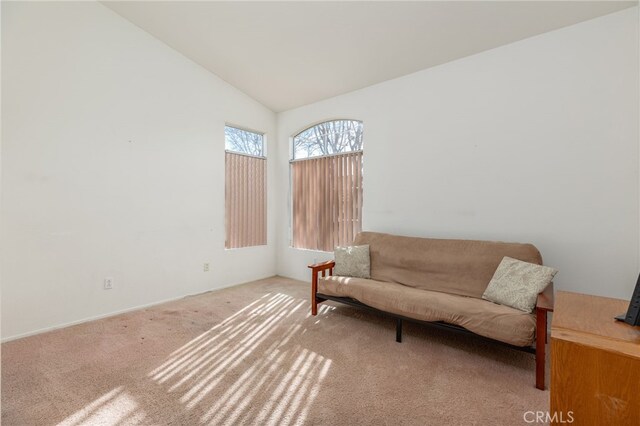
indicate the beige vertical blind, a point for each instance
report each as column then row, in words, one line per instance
column 327, row 201
column 245, row 200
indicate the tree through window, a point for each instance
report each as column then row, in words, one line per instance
column 243, row 141
column 330, row 137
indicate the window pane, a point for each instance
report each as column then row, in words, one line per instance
column 245, row 189
column 245, row 200
column 330, row 137
column 243, row 141
column 327, row 201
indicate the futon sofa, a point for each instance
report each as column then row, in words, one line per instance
column 440, row 282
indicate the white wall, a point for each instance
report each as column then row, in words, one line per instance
column 536, row 141
column 112, row 165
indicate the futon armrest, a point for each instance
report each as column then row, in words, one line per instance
column 545, row 299
column 316, row 267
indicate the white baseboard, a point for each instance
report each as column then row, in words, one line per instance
column 114, row 313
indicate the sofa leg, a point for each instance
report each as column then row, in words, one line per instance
column 314, row 303
column 399, row 330
column 541, row 338
column 314, row 289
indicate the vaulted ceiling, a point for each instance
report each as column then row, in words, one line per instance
column 288, row 54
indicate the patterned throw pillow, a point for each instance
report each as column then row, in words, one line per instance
column 352, row 261
column 517, row 284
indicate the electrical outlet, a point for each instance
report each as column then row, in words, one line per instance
column 205, row 267
column 108, row 283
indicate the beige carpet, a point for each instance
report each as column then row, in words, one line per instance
column 253, row 354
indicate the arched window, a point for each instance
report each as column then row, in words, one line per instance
column 330, row 137
column 326, row 185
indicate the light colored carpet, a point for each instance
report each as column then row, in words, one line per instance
column 253, row 354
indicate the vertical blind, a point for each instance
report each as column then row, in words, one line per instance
column 245, row 200
column 327, row 201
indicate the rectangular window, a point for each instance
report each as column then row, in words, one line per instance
column 326, row 185
column 245, row 188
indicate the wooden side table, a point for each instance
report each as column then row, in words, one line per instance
column 595, row 362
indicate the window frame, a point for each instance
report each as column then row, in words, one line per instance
column 292, row 159
column 263, row 135
column 264, row 138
